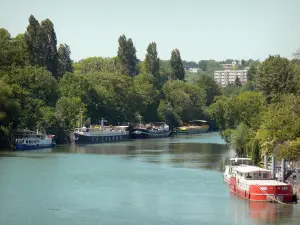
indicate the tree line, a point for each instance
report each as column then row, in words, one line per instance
column 263, row 116
column 40, row 85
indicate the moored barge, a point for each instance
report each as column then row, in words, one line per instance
column 256, row 184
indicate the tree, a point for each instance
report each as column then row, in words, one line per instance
column 151, row 60
column 127, row 56
column 186, row 100
column 146, row 95
column 280, row 122
column 49, row 43
column 202, row 64
column 68, row 110
column 41, row 42
column 64, row 60
column 20, row 54
column 213, row 66
column 237, row 82
column 9, row 113
column 5, row 46
column 243, row 63
column 176, row 65
column 275, row 77
column 252, row 71
column 34, row 42
column 211, row 88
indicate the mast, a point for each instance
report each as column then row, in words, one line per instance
column 80, row 118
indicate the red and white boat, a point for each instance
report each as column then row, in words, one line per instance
column 256, row 184
column 235, row 163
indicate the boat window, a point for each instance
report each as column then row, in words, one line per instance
column 248, row 176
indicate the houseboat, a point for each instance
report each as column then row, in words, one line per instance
column 193, row 127
column 100, row 133
column 26, row 140
column 152, row 130
column 256, row 184
column 234, row 163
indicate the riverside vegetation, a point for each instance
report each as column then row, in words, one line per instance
column 266, row 117
column 40, row 86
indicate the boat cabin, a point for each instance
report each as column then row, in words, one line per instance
column 252, row 173
column 240, row 161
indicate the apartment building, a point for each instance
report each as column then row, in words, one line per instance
column 225, row 77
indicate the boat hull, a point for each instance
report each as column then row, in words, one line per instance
column 85, row 139
column 144, row 133
column 262, row 193
column 23, row 147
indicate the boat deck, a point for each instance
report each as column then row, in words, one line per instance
column 266, row 182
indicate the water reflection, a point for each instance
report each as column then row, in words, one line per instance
column 130, row 183
column 176, row 152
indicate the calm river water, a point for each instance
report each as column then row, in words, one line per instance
column 163, row 181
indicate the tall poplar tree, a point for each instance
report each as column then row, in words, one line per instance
column 49, row 43
column 64, row 60
column 151, row 59
column 34, row 43
column 176, row 65
column 127, row 56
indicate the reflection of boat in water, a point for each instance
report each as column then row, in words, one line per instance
column 234, row 163
column 152, row 130
column 267, row 212
column 194, row 127
column 100, row 134
column 27, row 140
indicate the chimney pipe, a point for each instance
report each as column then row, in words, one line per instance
column 266, row 161
column 283, row 169
column 273, row 167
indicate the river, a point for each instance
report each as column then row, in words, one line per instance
column 162, row 181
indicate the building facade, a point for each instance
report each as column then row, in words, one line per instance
column 225, row 77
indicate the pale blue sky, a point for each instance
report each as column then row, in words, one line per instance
column 200, row 29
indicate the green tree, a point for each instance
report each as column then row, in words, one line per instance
column 5, row 46
column 211, row 88
column 20, row 54
column 68, row 110
column 202, row 64
column 252, row 71
column 275, row 77
column 34, row 42
column 239, row 139
column 97, row 64
column 237, row 82
column 213, row 66
column 151, row 60
column 280, row 122
column 64, row 60
column 146, row 95
column 176, row 65
column 186, row 100
column 243, row 63
column 127, row 56
column 49, row 43
column 9, row 113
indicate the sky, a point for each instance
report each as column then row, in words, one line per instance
column 200, row 29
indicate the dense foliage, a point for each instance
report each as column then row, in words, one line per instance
column 40, row 85
column 263, row 115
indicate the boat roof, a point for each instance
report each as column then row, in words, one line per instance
column 266, row 182
column 233, row 159
column 249, row 169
